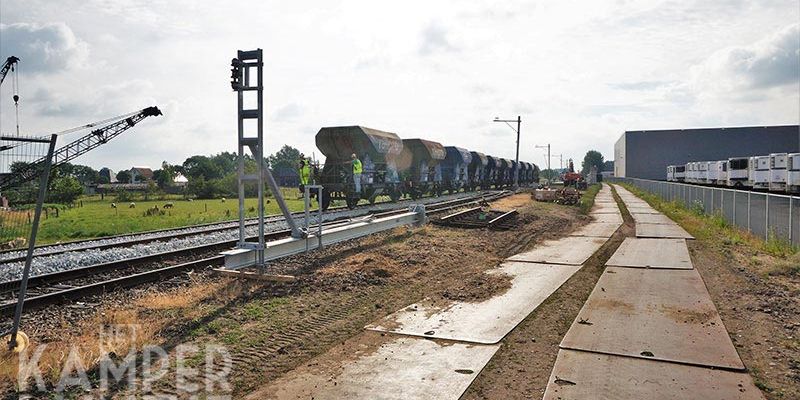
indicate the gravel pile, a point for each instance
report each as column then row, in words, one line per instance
column 79, row 256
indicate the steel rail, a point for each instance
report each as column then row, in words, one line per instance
column 165, row 272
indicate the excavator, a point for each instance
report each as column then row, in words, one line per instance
column 571, row 177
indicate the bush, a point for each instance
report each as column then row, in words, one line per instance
column 65, row 190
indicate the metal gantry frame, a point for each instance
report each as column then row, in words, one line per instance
column 242, row 82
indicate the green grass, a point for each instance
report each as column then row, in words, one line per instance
column 92, row 217
column 587, row 199
column 714, row 227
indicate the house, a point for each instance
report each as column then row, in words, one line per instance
column 180, row 180
column 141, row 174
column 107, row 175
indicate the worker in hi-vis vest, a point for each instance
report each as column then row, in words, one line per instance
column 305, row 173
column 357, row 168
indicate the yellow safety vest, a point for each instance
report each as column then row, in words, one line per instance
column 305, row 172
column 356, row 166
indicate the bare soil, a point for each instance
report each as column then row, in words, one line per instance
column 272, row 328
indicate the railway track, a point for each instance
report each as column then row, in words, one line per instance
column 97, row 279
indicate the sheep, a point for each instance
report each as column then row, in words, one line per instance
column 132, row 205
column 169, row 205
column 223, row 199
column 113, row 205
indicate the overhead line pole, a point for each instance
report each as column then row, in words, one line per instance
column 516, row 164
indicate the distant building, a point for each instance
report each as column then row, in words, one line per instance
column 180, row 180
column 646, row 154
column 107, row 175
column 141, row 174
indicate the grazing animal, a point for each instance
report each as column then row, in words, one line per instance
column 223, row 199
column 132, row 205
column 113, row 205
column 189, row 200
column 169, row 205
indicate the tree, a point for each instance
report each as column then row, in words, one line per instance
column 608, row 166
column 592, row 157
column 65, row 190
column 164, row 176
column 287, row 157
column 124, row 177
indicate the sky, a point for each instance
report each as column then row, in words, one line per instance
column 579, row 73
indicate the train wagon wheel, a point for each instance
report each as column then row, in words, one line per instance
column 352, row 202
column 326, row 200
column 394, row 195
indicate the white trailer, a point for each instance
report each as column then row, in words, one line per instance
column 777, row 172
column 717, row 172
column 738, row 172
column 793, row 173
column 758, row 176
column 676, row 173
column 702, row 171
column 691, row 174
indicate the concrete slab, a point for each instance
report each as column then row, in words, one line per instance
column 399, row 368
column 571, row 250
column 482, row 322
column 608, row 218
column 662, row 231
column 651, row 218
column 642, row 210
column 605, row 208
column 655, row 314
column 596, row 229
column 652, row 253
column 582, row 375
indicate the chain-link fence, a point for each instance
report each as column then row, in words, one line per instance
column 763, row 214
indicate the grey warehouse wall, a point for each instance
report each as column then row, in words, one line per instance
column 646, row 154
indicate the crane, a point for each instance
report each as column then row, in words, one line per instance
column 8, row 65
column 78, row 147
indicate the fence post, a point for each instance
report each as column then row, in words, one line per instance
column 766, row 219
column 791, row 222
column 734, row 206
column 748, row 211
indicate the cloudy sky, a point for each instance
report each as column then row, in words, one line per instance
column 579, row 73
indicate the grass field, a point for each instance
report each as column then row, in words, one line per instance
column 92, row 217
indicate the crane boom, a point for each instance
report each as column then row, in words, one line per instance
column 78, row 147
column 10, row 61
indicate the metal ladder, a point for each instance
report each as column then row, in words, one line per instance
column 241, row 82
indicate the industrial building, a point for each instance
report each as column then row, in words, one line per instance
column 646, row 154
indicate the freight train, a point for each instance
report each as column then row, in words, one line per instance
column 397, row 167
column 777, row 172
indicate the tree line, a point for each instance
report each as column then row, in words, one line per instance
column 209, row 176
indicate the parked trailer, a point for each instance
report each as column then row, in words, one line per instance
column 758, row 175
column 378, row 152
column 793, row 173
column 738, row 172
column 777, row 172
column 676, row 173
column 717, row 172
column 455, row 168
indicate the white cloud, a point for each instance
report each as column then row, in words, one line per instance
column 47, row 47
column 771, row 62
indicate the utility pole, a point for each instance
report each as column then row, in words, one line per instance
column 516, row 164
column 550, row 171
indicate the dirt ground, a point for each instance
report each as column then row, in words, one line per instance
column 271, row 328
column 760, row 311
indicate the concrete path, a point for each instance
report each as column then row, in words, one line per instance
column 649, row 328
